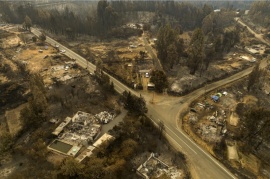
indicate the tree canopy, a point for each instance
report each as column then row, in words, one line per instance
column 257, row 125
column 36, row 110
column 27, row 23
column 254, row 77
column 260, row 13
column 196, row 51
column 71, row 167
column 6, row 142
column 160, row 80
column 134, row 104
column 169, row 46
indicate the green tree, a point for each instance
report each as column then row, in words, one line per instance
column 128, row 148
column 70, row 33
column 36, row 110
column 142, row 55
column 207, row 9
column 257, row 124
column 99, row 66
column 94, row 168
column 106, row 16
column 38, row 150
column 254, row 76
column 128, row 100
column 161, row 128
column 160, row 80
column 6, row 143
column 71, row 167
column 34, row 38
column 42, row 38
column 180, row 46
column 231, row 37
column 27, row 23
column 196, row 52
column 134, row 104
column 166, row 37
column 104, row 80
column 259, row 13
column 172, row 55
column 140, row 105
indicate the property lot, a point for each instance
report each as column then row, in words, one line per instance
column 68, row 90
column 214, row 121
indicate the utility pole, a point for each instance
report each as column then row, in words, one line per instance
column 205, row 90
column 152, row 101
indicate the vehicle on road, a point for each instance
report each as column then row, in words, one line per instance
column 62, row 51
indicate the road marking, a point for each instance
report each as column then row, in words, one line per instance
column 174, row 140
column 175, row 135
column 182, row 140
column 207, row 154
column 82, row 60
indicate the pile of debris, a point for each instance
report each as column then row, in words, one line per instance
column 81, row 129
column 105, row 117
column 209, row 133
column 155, row 168
column 193, row 118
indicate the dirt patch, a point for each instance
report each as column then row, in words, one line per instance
column 232, row 152
column 250, row 162
column 195, row 137
column 55, row 159
column 34, row 59
column 13, row 119
column 3, row 79
column 8, row 39
column 251, row 100
column 234, row 119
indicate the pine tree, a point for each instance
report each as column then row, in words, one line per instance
column 254, row 76
column 196, row 52
column 160, row 80
column 27, row 23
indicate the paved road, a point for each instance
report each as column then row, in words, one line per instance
column 167, row 109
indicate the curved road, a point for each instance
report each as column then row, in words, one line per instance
column 167, row 109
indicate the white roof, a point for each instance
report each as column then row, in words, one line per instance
column 59, row 129
column 102, row 139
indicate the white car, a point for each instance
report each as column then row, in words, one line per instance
column 62, row 51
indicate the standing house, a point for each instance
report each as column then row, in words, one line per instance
column 145, row 73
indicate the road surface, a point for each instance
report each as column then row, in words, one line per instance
column 167, row 109
column 258, row 36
